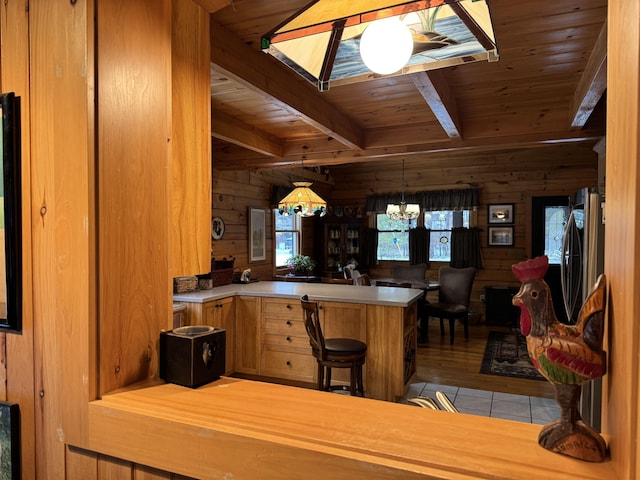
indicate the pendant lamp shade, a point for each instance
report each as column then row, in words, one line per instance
column 323, row 42
column 302, row 201
column 386, row 45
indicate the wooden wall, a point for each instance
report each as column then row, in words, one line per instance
column 18, row 352
column 234, row 192
column 513, row 177
column 622, row 237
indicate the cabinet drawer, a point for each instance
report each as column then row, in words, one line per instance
column 286, row 340
column 290, row 365
column 282, row 307
column 284, row 325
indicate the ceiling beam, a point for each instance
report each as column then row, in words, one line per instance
column 434, row 88
column 268, row 78
column 230, row 129
column 239, row 159
column 592, row 84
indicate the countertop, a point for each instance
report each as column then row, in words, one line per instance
column 243, row 430
column 390, row 296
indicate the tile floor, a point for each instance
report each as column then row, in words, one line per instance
column 491, row 404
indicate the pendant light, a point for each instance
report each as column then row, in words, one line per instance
column 403, row 211
column 302, row 201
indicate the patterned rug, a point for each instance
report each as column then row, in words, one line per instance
column 506, row 355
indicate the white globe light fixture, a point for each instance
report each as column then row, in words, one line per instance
column 386, row 45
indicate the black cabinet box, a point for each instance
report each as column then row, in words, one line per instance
column 499, row 309
column 193, row 355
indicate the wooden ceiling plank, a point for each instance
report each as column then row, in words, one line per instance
column 434, row 88
column 230, row 129
column 261, row 73
column 592, row 84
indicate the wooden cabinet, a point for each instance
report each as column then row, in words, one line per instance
column 220, row 314
column 285, row 351
column 247, row 334
column 343, row 241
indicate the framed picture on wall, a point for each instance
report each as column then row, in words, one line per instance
column 257, row 235
column 500, row 236
column 9, row 441
column 501, row 213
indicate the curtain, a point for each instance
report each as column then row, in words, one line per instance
column 465, row 248
column 370, row 254
column 458, row 199
column 419, row 244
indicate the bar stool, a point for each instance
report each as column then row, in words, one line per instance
column 333, row 352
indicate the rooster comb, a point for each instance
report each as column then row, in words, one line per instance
column 532, row 269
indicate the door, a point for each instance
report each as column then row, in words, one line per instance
column 548, row 219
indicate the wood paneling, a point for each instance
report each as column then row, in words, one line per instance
column 190, row 251
column 234, row 192
column 63, row 221
column 134, row 119
column 17, row 358
column 622, row 237
column 502, row 178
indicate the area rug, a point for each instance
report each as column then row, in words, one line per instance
column 506, row 355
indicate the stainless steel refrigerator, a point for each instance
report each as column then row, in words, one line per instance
column 583, row 262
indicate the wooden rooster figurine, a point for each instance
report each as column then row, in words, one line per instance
column 566, row 355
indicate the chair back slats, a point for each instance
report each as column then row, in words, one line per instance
column 312, row 326
column 455, row 285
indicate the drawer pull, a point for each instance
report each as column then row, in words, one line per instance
column 288, row 363
column 288, row 322
column 288, row 339
column 288, row 306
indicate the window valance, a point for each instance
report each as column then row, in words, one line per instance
column 456, row 199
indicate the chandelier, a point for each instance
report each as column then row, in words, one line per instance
column 404, row 210
column 302, row 201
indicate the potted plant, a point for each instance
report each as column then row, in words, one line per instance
column 300, row 264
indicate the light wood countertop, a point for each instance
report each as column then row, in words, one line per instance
column 246, row 430
column 391, row 296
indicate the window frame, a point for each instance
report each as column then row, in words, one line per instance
column 410, row 224
column 297, row 231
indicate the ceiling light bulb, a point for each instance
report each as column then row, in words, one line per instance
column 386, row 45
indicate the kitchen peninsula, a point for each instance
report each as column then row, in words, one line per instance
column 266, row 335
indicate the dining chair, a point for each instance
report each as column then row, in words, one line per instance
column 363, row 279
column 453, row 299
column 333, row 352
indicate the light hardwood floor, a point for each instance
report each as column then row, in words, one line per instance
column 459, row 364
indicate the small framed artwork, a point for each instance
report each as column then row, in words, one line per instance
column 500, row 236
column 217, row 228
column 257, row 236
column 9, row 441
column 501, row 213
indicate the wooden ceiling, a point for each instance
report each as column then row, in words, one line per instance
column 548, row 88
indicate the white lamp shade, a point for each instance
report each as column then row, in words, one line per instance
column 386, row 45
column 403, row 211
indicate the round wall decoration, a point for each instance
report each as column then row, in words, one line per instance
column 217, row 228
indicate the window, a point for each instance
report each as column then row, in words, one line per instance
column 393, row 238
column 286, row 237
column 555, row 220
column 440, row 223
